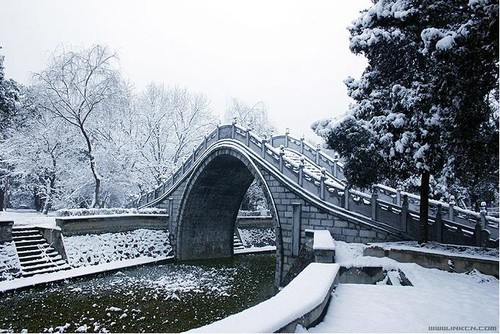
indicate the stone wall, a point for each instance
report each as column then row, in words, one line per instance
column 54, row 238
column 110, row 224
column 6, row 231
column 309, row 216
column 447, row 262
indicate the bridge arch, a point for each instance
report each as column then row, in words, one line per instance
column 210, row 203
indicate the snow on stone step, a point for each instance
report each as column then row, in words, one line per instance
column 42, row 265
column 36, row 252
column 24, row 243
column 27, row 237
column 310, row 167
column 35, row 255
column 46, row 270
column 23, row 230
column 23, row 248
column 37, row 259
column 237, row 244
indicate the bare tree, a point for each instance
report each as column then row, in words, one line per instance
column 171, row 121
column 73, row 87
column 254, row 116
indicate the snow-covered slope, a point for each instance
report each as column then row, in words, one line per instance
column 96, row 249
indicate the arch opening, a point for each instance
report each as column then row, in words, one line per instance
column 210, row 206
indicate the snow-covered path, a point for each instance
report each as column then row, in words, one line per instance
column 28, row 217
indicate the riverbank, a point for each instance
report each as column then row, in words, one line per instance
column 26, row 282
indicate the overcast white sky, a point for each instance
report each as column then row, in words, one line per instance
column 291, row 55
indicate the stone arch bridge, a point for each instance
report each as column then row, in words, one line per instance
column 305, row 189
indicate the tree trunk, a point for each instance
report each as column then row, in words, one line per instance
column 97, row 180
column 424, row 208
column 50, row 194
column 93, row 168
column 36, row 199
column 5, row 199
column 1, row 198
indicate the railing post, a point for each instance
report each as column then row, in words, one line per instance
column 287, row 132
column 482, row 213
column 296, row 222
column 301, row 171
column 233, row 129
column 247, row 139
column 374, row 202
column 335, row 163
column 346, row 198
column 322, row 179
column 398, row 196
column 282, row 153
column 439, row 223
column 205, row 140
column 170, row 215
column 302, row 144
column 263, row 148
column 451, row 214
column 477, row 233
column 218, row 133
column 404, row 213
column 318, row 149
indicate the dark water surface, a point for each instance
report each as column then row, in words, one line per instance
column 160, row 298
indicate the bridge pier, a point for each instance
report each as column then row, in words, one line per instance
column 296, row 215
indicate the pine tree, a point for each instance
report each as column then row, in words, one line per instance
column 426, row 102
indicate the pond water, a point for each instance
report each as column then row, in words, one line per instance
column 160, row 298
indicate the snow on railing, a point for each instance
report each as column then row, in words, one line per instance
column 323, row 176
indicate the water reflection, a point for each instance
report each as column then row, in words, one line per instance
column 165, row 298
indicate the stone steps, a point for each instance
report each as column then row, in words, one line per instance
column 237, row 244
column 36, row 256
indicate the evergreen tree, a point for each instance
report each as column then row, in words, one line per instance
column 9, row 104
column 426, row 103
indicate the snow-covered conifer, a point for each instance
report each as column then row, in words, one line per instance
column 423, row 105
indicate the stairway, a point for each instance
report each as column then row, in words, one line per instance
column 35, row 254
column 237, row 244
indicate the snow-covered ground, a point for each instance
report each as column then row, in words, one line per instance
column 457, row 302
column 437, row 298
column 28, row 218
